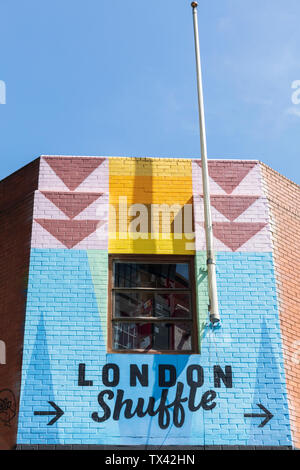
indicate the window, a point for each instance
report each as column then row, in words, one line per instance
column 151, row 304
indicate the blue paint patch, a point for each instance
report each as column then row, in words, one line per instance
column 61, row 287
column 37, row 385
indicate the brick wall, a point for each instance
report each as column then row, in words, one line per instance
column 284, row 202
column 56, row 211
column 16, row 208
column 71, row 204
column 148, row 182
column 66, row 317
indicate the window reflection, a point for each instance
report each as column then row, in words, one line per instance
column 151, row 275
column 154, row 336
column 152, row 304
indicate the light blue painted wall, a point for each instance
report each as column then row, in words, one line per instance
column 66, row 326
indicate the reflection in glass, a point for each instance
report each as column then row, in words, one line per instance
column 152, row 304
column 152, row 336
column 154, row 275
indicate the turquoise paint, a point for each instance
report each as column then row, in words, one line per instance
column 67, row 287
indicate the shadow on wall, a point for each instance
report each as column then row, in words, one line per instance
column 143, row 190
column 39, row 378
column 156, row 392
column 146, row 191
column 269, row 381
column 148, row 428
column 202, row 296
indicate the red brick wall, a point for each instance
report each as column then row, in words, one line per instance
column 16, row 210
column 284, row 202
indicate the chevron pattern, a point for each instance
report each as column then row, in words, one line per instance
column 239, row 207
column 73, row 170
column 72, row 204
column 68, row 212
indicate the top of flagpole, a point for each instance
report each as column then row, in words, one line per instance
column 194, row 4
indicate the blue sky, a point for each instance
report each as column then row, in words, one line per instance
column 103, row 77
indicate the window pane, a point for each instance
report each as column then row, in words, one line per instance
column 152, row 304
column 151, row 275
column 156, row 336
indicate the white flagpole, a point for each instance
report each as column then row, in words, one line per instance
column 211, row 262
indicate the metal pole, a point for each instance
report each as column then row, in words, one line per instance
column 211, row 262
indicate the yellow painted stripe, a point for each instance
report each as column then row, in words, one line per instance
column 149, row 181
column 121, row 166
column 146, row 190
column 150, row 246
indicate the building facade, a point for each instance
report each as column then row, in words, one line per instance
column 104, row 327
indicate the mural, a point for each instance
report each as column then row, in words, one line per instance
column 73, row 392
column 71, row 206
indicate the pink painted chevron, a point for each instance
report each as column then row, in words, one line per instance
column 70, row 232
column 71, row 203
column 232, row 206
column 228, row 175
column 73, row 170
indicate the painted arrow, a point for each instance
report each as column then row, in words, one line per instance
column 57, row 413
column 266, row 414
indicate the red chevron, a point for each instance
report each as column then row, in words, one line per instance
column 232, row 206
column 71, row 203
column 228, row 175
column 73, row 170
column 70, row 232
column 235, row 234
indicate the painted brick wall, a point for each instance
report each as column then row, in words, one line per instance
column 149, row 181
column 71, row 204
column 63, row 330
column 16, row 208
column 284, row 202
column 239, row 206
column 66, row 314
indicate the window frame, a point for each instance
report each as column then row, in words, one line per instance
column 155, row 259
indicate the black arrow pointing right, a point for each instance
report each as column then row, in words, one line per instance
column 267, row 415
column 57, row 413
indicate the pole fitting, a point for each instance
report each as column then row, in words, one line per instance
column 194, row 4
column 215, row 321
